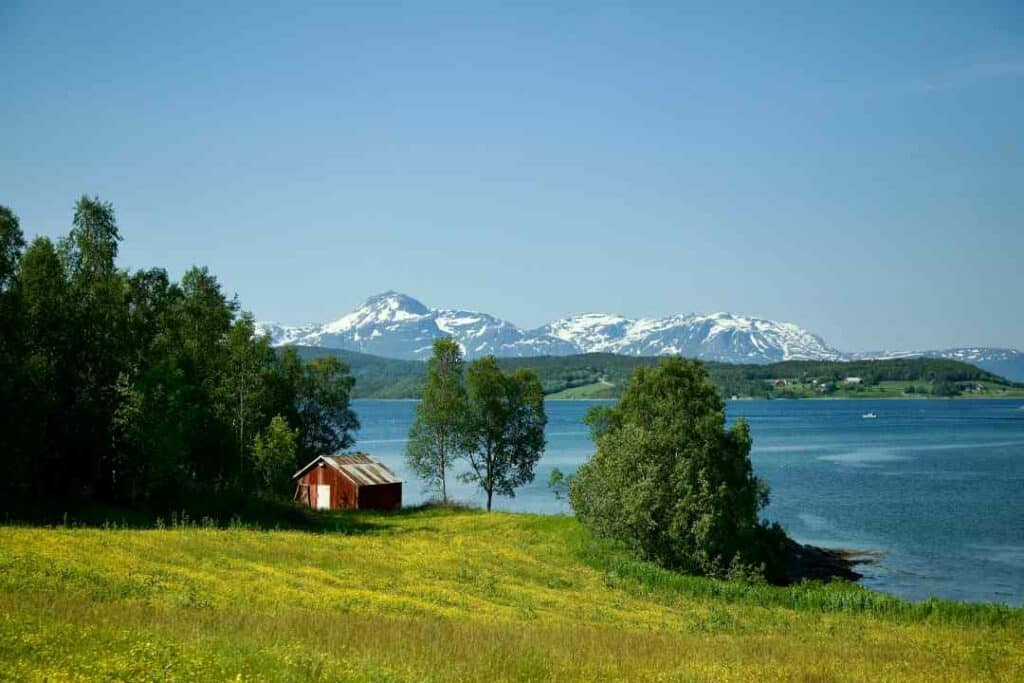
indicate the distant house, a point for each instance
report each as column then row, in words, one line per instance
column 852, row 380
column 356, row 481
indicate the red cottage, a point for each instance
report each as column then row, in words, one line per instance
column 356, row 481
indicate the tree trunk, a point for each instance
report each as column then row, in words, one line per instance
column 444, row 475
column 489, row 494
column 444, row 488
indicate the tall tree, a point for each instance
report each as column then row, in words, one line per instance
column 151, row 418
column 436, row 436
column 99, row 318
column 249, row 359
column 12, row 242
column 49, row 333
column 504, row 429
column 14, row 428
column 274, row 455
column 140, row 390
column 326, row 419
column 669, row 479
column 203, row 359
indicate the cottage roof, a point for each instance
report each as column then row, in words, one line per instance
column 360, row 468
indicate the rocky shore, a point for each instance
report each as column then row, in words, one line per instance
column 809, row 562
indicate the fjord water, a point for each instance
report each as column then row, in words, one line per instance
column 936, row 485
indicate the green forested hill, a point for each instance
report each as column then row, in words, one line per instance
column 603, row 375
column 376, row 377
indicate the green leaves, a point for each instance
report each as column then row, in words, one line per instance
column 504, row 429
column 669, row 479
column 437, row 435
column 273, row 454
column 140, row 390
column 322, row 400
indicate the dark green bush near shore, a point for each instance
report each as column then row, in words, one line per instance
column 670, row 481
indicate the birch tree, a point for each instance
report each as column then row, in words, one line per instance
column 436, row 437
column 504, row 429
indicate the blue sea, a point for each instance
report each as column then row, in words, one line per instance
column 936, row 485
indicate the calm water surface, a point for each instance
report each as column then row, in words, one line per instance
column 938, row 485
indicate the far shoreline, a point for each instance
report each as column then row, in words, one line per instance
column 758, row 398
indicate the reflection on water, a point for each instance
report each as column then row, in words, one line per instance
column 938, row 485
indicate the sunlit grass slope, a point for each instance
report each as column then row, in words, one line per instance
column 441, row 595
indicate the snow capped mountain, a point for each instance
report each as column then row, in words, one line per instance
column 397, row 326
column 389, row 324
column 718, row 336
column 591, row 331
column 480, row 334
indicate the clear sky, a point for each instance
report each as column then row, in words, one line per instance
column 858, row 171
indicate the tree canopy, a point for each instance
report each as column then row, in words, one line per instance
column 437, row 434
column 504, row 427
column 129, row 388
column 671, row 481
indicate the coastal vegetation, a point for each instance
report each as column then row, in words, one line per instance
column 604, row 375
column 436, row 437
column 505, row 422
column 126, row 395
column 491, row 420
column 128, row 388
column 670, row 481
column 448, row 595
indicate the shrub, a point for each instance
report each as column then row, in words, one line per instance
column 670, row 481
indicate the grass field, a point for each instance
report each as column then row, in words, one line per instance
column 897, row 389
column 886, row 389
column 439, row 595
column 587, row 391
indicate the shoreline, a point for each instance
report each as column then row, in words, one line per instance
column 756, row 398
column 815, row 563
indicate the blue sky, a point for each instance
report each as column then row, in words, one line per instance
column 858, row 170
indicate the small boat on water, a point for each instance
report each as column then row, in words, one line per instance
column 869, row 416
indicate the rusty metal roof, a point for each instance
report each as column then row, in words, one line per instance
column 364, row 470
column 361, row 468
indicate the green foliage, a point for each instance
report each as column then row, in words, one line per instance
column 944, row 387
column 604, row 375
column 274, row 455
column 671, row 481
column 644, row 578
column 375, row 377
column 323, row 405
column 558, row 483
column 13, row 372
column 12, row 242
column 128, row 388
column 504, row 427
column 437, row 434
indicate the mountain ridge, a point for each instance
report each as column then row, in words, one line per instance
column 396, row 325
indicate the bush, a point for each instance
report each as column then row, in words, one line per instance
column 670, row 481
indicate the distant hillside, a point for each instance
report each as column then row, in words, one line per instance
column 376, row 377
column 603, row 375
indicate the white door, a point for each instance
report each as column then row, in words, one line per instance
column 323, row 496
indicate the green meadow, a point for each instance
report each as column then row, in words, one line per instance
column 448, row 595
